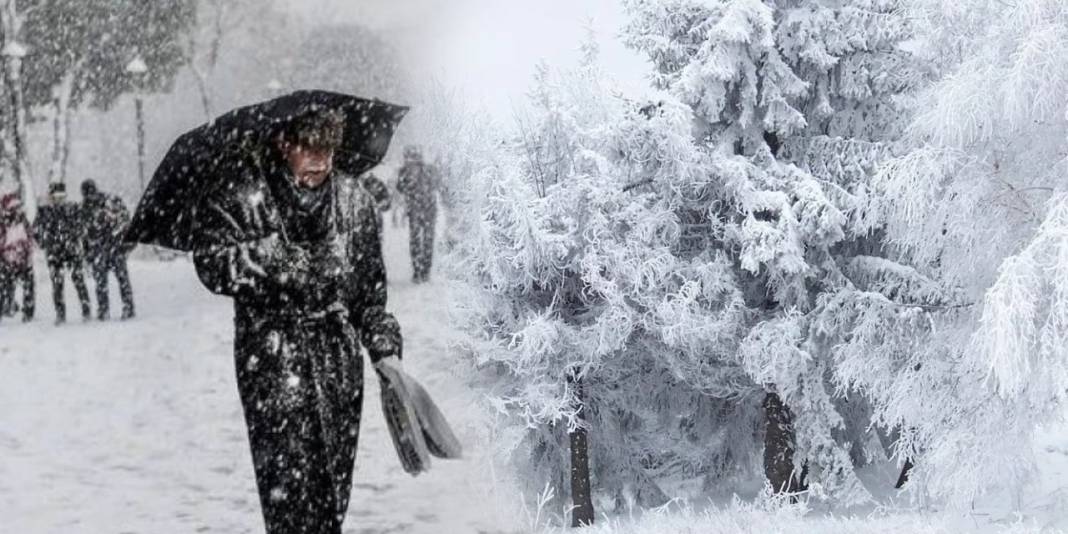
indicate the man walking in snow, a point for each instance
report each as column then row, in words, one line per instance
column 105, row 219
column 419, row 183
column 16, row 257
column 60, row 231
column 296, row 244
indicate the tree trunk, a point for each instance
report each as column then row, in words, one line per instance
column 581, row 497
column 215, row 48
column 139, row 109
column 57, row 142
column 11, row 25
column 904, row 476
column 61, row 96
column 779, row 446
column 888, row 439
column 22, row 171
column 67, row 141
column 7, row 138
column 202, row 73
column 205, row 92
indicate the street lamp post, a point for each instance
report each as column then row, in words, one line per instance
column 13, row 52
column 137, row 68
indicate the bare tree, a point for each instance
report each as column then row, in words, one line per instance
column 216, row 21
column 14, row 131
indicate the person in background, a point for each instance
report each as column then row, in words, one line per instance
column 60, row 231
column 106, row 217
column 7, row 286
column 419, row 183
column 16, row 257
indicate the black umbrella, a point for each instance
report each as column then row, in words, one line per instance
column 198, row 160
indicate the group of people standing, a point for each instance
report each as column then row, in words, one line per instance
column 72, row 235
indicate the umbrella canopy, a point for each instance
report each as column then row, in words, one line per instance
column 198, row 160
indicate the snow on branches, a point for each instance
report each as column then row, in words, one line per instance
column 575, row 274
column 977, row 202
column 796, row 223
column 797, row 103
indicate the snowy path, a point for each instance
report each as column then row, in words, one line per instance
column 136, row 427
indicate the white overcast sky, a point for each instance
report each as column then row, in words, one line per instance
column 489, row 48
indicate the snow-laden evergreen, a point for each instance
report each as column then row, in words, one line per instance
column 797, row 102
column 686, row 257
column 577, row 270
column 768, row 227
column 979, row 203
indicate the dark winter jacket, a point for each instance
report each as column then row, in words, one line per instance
column 276, row 259
column 60, row 231
column 106, row 217
column 419, row 183
column 306, row 273
column 16, row 243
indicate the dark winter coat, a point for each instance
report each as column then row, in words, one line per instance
column 306, row 274
column 60, row 231
column 16, row 242
column 106, row 217
column 419, row 183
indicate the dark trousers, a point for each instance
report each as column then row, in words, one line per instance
column 10, row 277
column 7, row 293
column 101, row 267
column 421, row 242
column 56, row 268
column 301, row 388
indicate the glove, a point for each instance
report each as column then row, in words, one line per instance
column 380, row 334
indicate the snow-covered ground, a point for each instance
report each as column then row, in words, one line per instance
column 135, row 427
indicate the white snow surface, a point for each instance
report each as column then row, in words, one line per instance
column 135, row 427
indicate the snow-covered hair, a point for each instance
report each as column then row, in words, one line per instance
column 316, row 128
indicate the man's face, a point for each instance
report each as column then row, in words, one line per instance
column 310, row 166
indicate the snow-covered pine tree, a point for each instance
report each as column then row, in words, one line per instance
column 979, row 203
column 582, row 313
column 796, row 103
